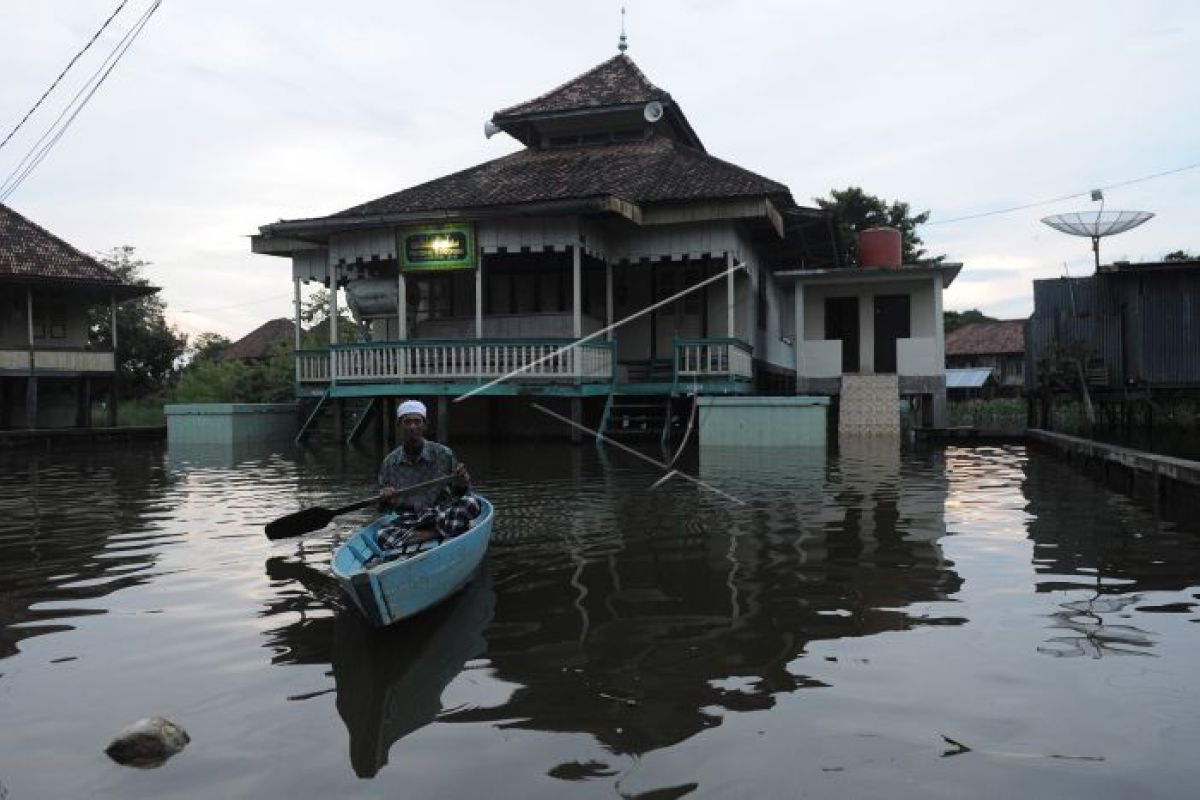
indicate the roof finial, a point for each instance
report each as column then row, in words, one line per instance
column 622, row 45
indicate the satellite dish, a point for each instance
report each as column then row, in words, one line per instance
column 490, row 129
column 653, row 111
column 1097, row 224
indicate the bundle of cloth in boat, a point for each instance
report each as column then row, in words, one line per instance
column 447, row 520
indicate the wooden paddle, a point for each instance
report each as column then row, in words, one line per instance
column 313, row 519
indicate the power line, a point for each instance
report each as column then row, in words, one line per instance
column 1049, row 201
column 70, row 64
column 22, row 171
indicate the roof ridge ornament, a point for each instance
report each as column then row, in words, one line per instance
column 622, row 43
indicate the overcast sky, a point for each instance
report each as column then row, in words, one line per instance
column 226, row 116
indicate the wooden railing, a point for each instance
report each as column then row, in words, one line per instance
column 709, row 359
column 58, row 360
column 458, row 360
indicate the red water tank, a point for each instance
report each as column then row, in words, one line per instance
column 879, row 247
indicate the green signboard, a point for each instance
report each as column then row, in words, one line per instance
column 436, row 247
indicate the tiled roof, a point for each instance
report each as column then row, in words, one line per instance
column 645, row 171
column 28, row 250
column 983, row 338
column 617, row 81
column 260, row 342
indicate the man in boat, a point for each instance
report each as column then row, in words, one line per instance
column 438, row 511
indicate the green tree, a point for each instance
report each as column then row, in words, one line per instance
column 952, row 320
column 314, row 316
column 209, row 346
column 855, row 210
column 1179, row 255
column 232, row 380
column 147, row 346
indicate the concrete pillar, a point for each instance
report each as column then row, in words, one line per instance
column 296, row 337
column 938, row 399
column 113, row 399
column 31, row 402
column 479, row 297
column 443, row 419
column 83, row 407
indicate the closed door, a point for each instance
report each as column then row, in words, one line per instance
column 892, row 322
column 841, row 322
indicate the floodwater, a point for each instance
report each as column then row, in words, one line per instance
column 935, row 623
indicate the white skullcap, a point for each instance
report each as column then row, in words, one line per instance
column 411, row 407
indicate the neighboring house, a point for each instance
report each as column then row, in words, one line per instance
column 263, row 341
column 49, row 373
column 999, row 345
column 612, row 208
column 1130, row 325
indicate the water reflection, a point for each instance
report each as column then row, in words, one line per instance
column 1106, row 552
column 675, row 606
column 388, row 683
column 76, row 525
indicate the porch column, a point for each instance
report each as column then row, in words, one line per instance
column 577, row 291
column 798, row 334
column 402, row 307
column 31, row 383
column 479, row 297
column 114, row 384
column 296, row 348
column 939, row 354
column 730, row 295
column 608, row 297
column 333, row 304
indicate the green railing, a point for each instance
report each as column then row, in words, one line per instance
column 722, row 359
column 459, row 360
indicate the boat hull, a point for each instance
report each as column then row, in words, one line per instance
column 389, row 591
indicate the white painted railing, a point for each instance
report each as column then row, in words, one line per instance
column 312, row 366
column 454, row 361
column 713, row 358
column 58, row 360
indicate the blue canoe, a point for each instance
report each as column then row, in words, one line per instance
column 388, row 590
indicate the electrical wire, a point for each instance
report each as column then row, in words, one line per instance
column 1049, row 201
column 67, row 68
column 23, row 169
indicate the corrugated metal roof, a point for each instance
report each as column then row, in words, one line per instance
column 967, row 378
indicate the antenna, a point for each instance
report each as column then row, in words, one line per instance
column 1097, row 224
column 622, row 44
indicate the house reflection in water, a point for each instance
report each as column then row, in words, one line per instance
column 700, row 604
column 1105, row 552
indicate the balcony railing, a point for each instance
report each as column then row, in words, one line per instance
column 713, row 359
column 57, row 360
column 459, row 360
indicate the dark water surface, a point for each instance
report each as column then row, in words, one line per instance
column 850, row 631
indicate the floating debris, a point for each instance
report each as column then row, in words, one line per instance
column 147, row 743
